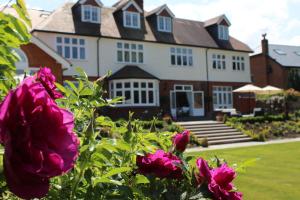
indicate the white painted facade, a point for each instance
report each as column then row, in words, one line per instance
column 157, row 60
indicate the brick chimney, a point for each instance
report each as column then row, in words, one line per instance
column 140, row 3
column 265, row 45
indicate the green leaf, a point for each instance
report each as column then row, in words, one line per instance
column 106, row 180
column 116, row 171
column 141, row 179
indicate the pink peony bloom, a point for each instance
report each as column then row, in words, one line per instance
column 38, row 138
column 219, row 181
column 160, row 164
column 46, row 77
column 181, row 140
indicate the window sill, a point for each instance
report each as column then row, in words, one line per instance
column 135, row 106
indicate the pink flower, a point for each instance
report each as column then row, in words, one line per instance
column 181, row 140
column 160, row 164
column 219, row 180
column 38, row 138
column 46, row 77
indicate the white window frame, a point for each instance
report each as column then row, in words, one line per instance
column 138, row 51
column 223, row 32
column 166, row 27
column 78, row 46
column 238, row 63
column 182, row 53
column 155, row 90
column 222, row 97
column 131, row 16
column 91, row 10
column 218, row 61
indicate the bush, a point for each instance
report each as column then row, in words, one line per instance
column 259, row 119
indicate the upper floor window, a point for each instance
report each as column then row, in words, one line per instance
column 219, row 61
column 238, row 63
column 164, row 24
column 90, row 14
column 223, row 32
column 71, row 48
column 130, row 52
column 181, row 57
column 132, row 19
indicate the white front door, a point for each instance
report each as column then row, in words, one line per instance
column 198, row 104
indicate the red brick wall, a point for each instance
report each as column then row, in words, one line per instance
column 277, row 77
column 38, row 58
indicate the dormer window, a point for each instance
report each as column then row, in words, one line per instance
column 223, row 32
column 164, row 24
column 90, row 14
column 132, row 19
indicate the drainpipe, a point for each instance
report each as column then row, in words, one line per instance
column 98, row 57
column 207, row 76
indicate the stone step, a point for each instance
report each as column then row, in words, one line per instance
column 203, row 125
column 214, row 131
column 229, row 141
column 227, row 137
column 209, row 129
column 217, row 134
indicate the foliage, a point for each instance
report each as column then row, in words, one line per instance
column 258, row 119
column 13, row 34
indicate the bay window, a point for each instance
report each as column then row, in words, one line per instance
column 135, row 92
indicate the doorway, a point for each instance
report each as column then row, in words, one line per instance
column 185, row 102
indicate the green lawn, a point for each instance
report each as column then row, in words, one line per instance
column 276, row 175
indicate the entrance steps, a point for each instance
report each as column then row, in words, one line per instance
column 215, row 132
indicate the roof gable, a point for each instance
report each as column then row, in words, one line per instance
column 161, row 10
column 98, row 2
column 124, row 5
column 131, row 71
column 220, row 20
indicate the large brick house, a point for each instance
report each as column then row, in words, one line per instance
column 160, row 63
column 276, row 65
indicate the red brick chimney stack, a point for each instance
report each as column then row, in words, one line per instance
column 140, row 3
column 265, row 45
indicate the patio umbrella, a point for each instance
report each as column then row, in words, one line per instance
column 248, row 89
column 270, row 90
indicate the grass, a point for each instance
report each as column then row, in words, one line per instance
column 275, row 176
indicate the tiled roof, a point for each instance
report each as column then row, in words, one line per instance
column 288, row 56
column 130, row 71
column 185, row 32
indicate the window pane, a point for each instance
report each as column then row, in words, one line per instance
column 127, row 19
column 243, row 66
column 127, row 85
column 141, row 57
column 119, row 45
column 168, row 24
column 67, row 52
column 74, row 53
column 95, row 14
column 126, row 46
column 119, row 85
column 67, row 40
column 150, row 85
column 120, row 56
column 82, row 42
column 82, row 53
column 161, row 23
column 127, row 97
column 136, row 85
column 133, row 46
column 133, row 57
column 135, row 20
column 74, row 41
column 173, row 60
column 179, row 60
column 59, row 40
column 184, row 59
column 119, row 94
column 144, row 97
column 151, row 97
column 136, row 97
column 141, row 47
column 178, row 50
column 143, row 85
column 190, row 61
column 127, row 56
column 59, row 50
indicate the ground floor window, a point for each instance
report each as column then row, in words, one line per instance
column 135, row 92
column 222, row 97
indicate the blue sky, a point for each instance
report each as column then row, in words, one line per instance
column 249, row 18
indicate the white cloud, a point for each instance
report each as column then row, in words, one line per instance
column 249, row 18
